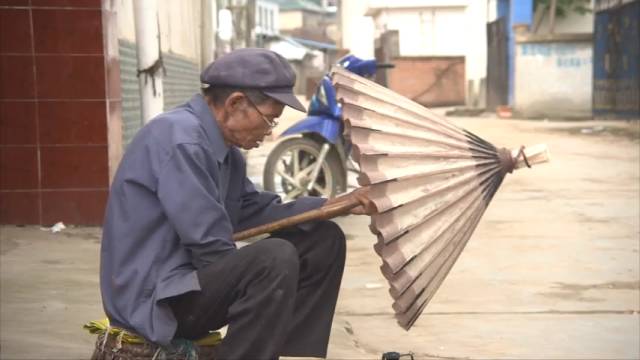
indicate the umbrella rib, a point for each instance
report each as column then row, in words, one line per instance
column 490, row 191
column 440, row 276
column 375, row 176
column 480, row 141
column 432, row 154
column 366, row 116
column 428, row 124
column 408, row 274
column 369, row 103
column 462, row 145
column 371, row 87
column 456, row 183
column 417, row 134
column 386, row 239
column 389, row 194
column 378, row 152
column 439, row 238
column 391, row 241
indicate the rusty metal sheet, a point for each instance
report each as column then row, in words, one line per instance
column 429, row 80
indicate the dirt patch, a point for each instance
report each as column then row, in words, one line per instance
column 630, row 132
column 612, row 285
column 575, row 291
column 7, row 245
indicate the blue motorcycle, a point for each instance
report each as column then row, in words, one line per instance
column 313, row 157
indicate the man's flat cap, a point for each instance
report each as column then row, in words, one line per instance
column 254, row 68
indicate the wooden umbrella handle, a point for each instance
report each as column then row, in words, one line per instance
column 535, row 154
column 323, row 213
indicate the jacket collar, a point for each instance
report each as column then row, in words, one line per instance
column 200, row 108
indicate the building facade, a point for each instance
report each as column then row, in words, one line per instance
column 449, row 32
column 551, row 62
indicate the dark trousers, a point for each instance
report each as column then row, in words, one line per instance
column 277, row 295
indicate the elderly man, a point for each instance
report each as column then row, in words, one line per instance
column 169, row 267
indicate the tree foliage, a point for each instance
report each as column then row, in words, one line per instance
column 564, row 7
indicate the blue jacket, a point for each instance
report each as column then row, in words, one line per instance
column 177, row 198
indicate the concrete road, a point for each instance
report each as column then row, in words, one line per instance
column 552, row 271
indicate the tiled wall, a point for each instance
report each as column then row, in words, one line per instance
column 54, row 111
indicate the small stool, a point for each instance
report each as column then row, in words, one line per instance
column 118, row 344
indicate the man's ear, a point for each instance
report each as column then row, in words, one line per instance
column 234, row 102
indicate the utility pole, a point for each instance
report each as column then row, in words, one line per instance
column 250, row 11
column 244, row 15
column 552, row 16
column 224, row 27
column 150, row 67
column 238, row 22
column 207, row 35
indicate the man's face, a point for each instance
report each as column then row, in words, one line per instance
column 247, row 123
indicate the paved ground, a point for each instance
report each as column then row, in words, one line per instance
column 552, row 272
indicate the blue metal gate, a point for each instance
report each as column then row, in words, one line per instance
column 616, row 60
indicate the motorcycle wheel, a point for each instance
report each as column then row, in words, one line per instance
column 287, row 171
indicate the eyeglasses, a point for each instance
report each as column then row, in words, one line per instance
column 271, row 122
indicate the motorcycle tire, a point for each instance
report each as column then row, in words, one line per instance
column 331, row 177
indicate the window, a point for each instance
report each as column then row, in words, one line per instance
column 266, row 18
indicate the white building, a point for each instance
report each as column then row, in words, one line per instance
column 553, row 71
column 356, row 29
column 426, row 28
column 267, row 18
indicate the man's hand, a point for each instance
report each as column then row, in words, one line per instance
column 361, row 195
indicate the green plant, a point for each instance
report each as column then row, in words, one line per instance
column 564, row 7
